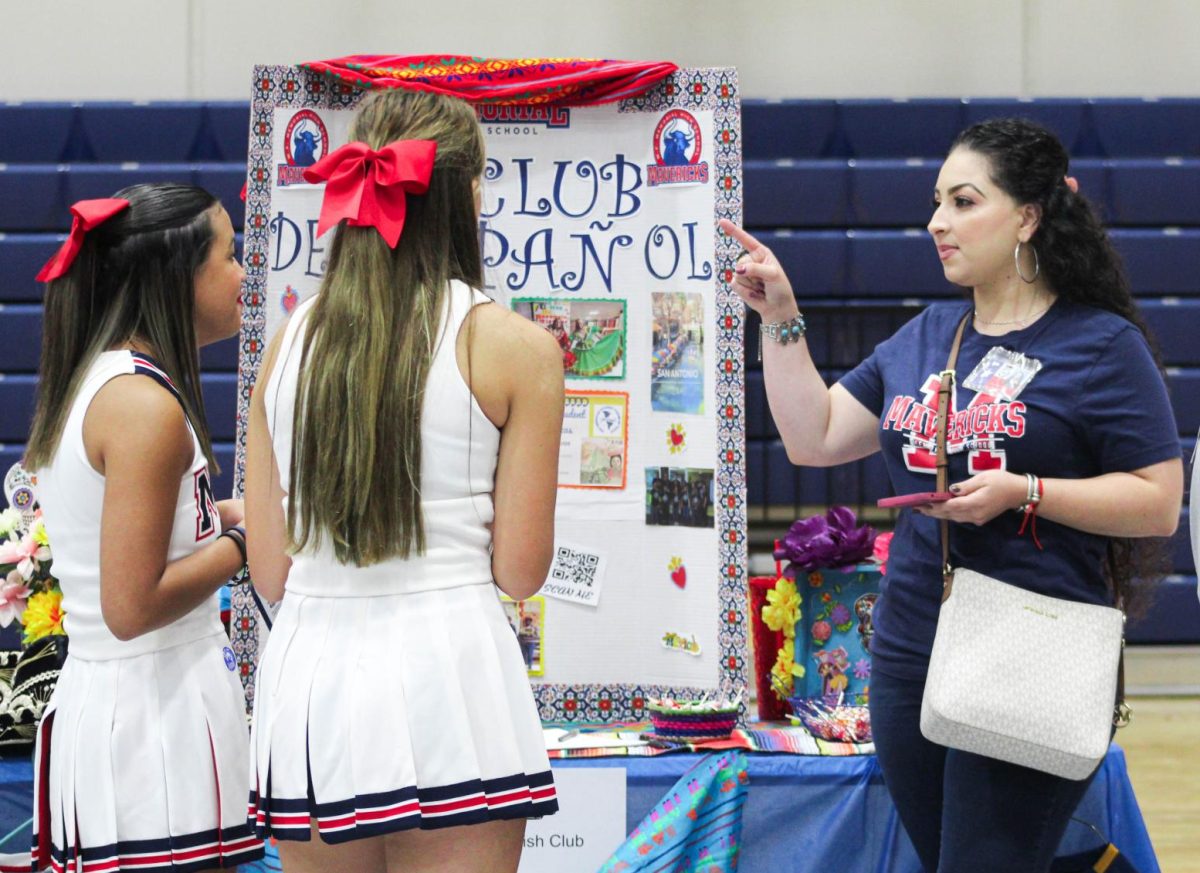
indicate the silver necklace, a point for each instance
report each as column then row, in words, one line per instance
column 1020, row 321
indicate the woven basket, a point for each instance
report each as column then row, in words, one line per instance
column 692, row 721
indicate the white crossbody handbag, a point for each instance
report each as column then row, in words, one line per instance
column 1016, row 675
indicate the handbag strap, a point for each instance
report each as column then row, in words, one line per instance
column 945, row 392
column 1121, row 712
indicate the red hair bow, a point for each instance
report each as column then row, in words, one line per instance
column 369, row 188
column 88, row 214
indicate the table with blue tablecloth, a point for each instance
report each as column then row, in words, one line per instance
column 802, row 812
column 833, row 814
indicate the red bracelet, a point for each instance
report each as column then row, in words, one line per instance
column 1030, row 508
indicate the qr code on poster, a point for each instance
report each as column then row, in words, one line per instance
column 574, row 566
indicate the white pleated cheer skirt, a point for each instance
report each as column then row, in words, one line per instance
column 141, row 764
column 379, row 714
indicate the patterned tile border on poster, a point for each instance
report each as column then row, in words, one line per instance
column 713, row 89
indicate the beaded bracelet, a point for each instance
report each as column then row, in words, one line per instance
column 782, row 332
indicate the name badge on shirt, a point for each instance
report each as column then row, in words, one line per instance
column 1002, row 374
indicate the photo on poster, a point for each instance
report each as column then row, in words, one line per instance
column 679, row 496
column 591, row 333
column 527, row 618
column 595, row 440
column 677, row 353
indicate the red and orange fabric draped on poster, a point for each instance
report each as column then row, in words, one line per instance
column 501, row 81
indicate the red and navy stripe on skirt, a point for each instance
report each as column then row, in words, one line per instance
column 472, row 802
column 228, row 847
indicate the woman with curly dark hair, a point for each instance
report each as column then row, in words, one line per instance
column 1062, row 411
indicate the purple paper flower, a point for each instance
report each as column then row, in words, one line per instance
column 862, row 669
column 833, row 540
column 840, row 617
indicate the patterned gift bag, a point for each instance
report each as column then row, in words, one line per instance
column 833, row 634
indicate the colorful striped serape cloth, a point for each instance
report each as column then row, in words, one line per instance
column 784, row 740
column 501, row 81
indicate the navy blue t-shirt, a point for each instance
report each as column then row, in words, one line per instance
column 1097, row 405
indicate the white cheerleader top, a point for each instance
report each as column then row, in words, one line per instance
column 459, row 446
column 71, row 495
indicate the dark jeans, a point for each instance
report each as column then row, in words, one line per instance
column 965, row 812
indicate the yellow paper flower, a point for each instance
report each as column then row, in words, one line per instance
column 783, row 607
column 39, row 533
column 786, row 669
column 43, row 616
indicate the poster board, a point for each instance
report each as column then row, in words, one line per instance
column 599, row 223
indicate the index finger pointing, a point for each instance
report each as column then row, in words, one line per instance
column 749, row 243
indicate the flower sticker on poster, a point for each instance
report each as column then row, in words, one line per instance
column 591, row 333
column 677, row 356
column 594, row 441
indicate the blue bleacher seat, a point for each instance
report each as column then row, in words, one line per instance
column 20, row 336
column 230, row 126
column 31, row 197
column 816, row 261
column 1092, row 176
column 794, row 193
column 755, row 472
column 788, row 128
column 1065, row 117
column 1130, row 128
column 895, row 263
column 1175, row 324
column 16, row 406
column 34, row 133
column 220, row 404
column 17, row 393
column 223, row 481
column 1173, row 616
column 1160, row 262
column 225, row 182
column 1157, row 191
column 91, row 181
column 21, row 257
column 892, row 193
column 759, row 425
column 1184, row 386
column 899, row 128
column 161, row 132
column 1182, row 560
column 220, row 357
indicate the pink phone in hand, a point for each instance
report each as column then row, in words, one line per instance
column 919, row 499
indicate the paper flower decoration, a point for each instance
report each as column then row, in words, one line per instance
column 862, row 668
column 783, row 608
column 786, row 670
column 43, row 616
column 13, row 595
column 821, row 632
column 883, row 543
column 840, row 617
column 833, row 540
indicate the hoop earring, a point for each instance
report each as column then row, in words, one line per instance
column 1037, row 267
